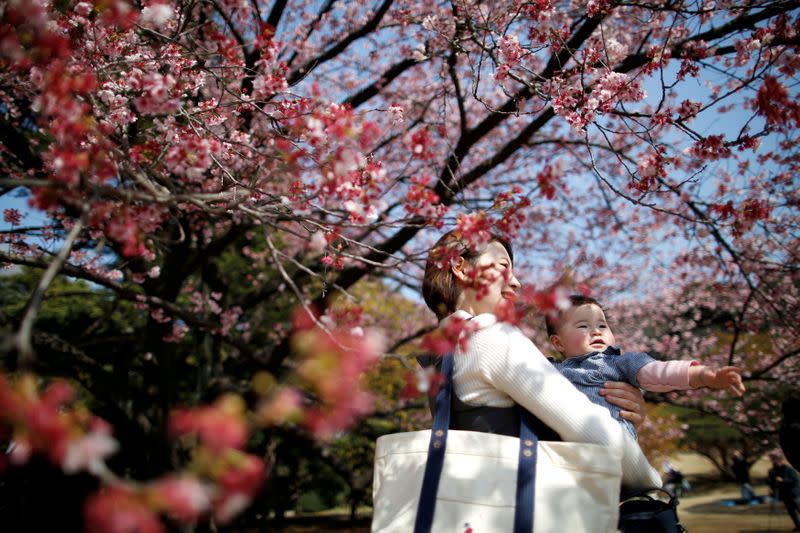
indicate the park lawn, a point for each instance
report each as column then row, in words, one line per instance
column 700, row 511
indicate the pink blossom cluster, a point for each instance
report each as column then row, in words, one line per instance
column 28, row 37
column 501, row 72
column 158, row 92
column 229, row 318
column 688, row 109
column 513, row 206
column 613, row 87
column 756, row 44
column 510, row 50
column 63, row 88
column 397, row 114
column 421, row 381
column 119, row 509
column 221, row 479
column 156, row 14
column 267, row 85
column 475, row 228
column 349, row 177
column 80, row 107
column 422, row 201
column 710, row 148
column 420, row 144
column 452, row 334
column 118, row 13
column 48, row 423
column 12, row 216
column 776, row 105
column 743, row 215
column 549, row 181
column 118, row 114
column 218, row 427
column 127, row 225
column 331, row 245
column 538, row 10
column 596, row 8
column 78, row 151
column 281, row 405
column 566, row 105
column 331, row 365
column 125, row 230
column 348, row 318
column 178, row 332
column 651, row 168
column 191, row 155
column 551, row 299
column 202, row 303
column 607, row 91
column 272, row 77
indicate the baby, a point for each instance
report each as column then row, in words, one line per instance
column 582, row 335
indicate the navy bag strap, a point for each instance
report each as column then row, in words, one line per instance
column 526, row 471
column 436, row 448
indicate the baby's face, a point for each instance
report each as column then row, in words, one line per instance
column 581, row 330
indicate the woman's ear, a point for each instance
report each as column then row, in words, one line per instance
column 459, row 268
column 555, row 340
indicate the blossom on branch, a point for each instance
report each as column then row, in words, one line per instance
column 331, row 366
column 48, row 423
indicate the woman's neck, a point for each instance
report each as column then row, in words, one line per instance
column 469, row 304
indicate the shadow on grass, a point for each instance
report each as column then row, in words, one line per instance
column 318, row 524
column 718, row 507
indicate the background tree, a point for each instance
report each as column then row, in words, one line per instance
column 209, row 167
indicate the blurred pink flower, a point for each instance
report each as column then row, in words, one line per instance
column 117, row 510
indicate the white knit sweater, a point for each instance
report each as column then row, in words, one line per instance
column 500, row 366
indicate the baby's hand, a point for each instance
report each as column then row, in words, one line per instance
column 727, row 377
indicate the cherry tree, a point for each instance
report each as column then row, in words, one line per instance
column 231, row 169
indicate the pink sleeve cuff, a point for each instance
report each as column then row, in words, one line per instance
column 664, row 376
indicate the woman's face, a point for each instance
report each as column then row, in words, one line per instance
column 489, row 281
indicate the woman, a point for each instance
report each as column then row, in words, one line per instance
column 498, row 366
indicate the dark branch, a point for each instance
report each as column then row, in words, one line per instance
column 385, row 79
column 339, row 47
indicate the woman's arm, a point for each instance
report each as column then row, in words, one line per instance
column 514, row 365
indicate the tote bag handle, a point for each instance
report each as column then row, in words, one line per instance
column 526, row 471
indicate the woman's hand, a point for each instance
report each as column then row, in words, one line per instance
column 628, row 398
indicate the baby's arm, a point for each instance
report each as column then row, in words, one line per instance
column 663, row 376
column 727, row 377
column 514, row 365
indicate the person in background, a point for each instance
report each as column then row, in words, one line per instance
column 782, row 479
column 674, row 481
column 741, row 471
column 789, row 430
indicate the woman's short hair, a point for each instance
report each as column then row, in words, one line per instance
column 440, row 287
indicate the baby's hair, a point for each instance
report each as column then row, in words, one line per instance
column 575, row 300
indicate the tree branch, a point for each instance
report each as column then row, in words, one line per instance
column 339, row 47
column 22, row 340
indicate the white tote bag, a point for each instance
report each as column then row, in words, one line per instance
column 577, row 485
